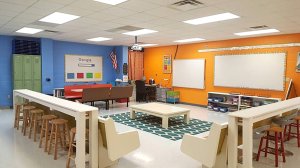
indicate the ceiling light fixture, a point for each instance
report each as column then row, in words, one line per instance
column 249, row 33
column 212, row 18
column 97, row 39
column 111, row 2
column 140, row 32
column 59, row 18
column 189, row 40
column 28, row 30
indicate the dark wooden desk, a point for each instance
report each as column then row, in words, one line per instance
column 151, row 89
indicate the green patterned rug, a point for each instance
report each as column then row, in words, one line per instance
column 152, row 124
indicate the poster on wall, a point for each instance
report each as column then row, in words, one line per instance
column 167, row 64
column 82, row 68
column 298, row 63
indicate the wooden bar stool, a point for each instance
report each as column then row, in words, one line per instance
column 297, row 134
column 26, row 119
column 35, row 117
column 18, row 115
column 59, row 130
column 45, row 129
column 277, row 138
column 72, row 144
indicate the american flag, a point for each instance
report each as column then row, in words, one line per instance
column 113, row 57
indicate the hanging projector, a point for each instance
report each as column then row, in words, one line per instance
column 136, row 46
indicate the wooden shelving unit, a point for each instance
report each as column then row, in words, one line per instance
column 226, row 102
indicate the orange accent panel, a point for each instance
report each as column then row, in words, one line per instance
column 153, row 65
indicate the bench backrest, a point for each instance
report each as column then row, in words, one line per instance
column 121, row 92
column 68, row 88
column 94, row 94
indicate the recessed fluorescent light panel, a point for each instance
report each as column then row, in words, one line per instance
column 59, row 18
column 140, row 32
column 189, row 40
column 147, row 45
column 212, row 18
column 111, row 2
column 28, row 30
column 249, row 33
column 97, row 39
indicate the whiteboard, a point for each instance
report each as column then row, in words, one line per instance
column 257, row 71
column 82, row 68
column 189, row 73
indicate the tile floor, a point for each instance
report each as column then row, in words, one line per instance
column 17, row 151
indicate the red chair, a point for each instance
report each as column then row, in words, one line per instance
column 277, row 138
column 297, row 134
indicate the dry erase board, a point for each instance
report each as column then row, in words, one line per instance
column 189, row 73
column 81, row 68
column 257, row 71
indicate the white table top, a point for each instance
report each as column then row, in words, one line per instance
column 159, row 108
column 253, row 112
column 40, row 97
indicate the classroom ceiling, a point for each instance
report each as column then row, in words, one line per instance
column 102, row 20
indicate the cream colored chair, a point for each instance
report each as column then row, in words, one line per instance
column 208, row 150
column 114, row 145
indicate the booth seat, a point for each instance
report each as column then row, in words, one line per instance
column 69, row 94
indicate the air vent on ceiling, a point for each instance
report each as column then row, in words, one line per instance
column 124, row 28
column 185, row 5
column 259, row 27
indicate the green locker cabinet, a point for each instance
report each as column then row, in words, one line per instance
column 27, row 72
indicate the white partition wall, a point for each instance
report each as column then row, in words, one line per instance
column 189, row 73
column 257, row 71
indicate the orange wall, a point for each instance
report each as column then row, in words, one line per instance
column 153, row 65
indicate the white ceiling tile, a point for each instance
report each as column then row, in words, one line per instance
column 162, row 11
column 96, row 18
column 46, row 5
column 138, row 5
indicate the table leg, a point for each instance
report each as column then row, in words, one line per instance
column 132, row 114
column 80, row 143
column 232, row 142
column 93, row 137
column 165, row 121
column 187, row 118
column 247, row 143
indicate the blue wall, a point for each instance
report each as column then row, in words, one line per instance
column 6, row 71
column 53, row 62
column 47, row 65
column 61, row 48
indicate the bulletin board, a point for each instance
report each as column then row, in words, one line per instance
column 167, row 64
column 256, row 71
column 189, row 73
column 83, row 68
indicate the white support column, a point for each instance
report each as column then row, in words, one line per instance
column 93, row 145
column 247, row 142
column 80, row 142
column 232, row 142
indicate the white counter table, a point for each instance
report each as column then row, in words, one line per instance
column 76, row 110
column 246, row 118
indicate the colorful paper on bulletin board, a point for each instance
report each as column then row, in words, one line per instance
column 98, row 75
column 167, row 64
column 89, row 75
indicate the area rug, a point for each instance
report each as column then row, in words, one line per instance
column 152, row 124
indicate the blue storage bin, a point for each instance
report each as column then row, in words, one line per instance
column 216, row 108
column 210, row 99
column 223, row 109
